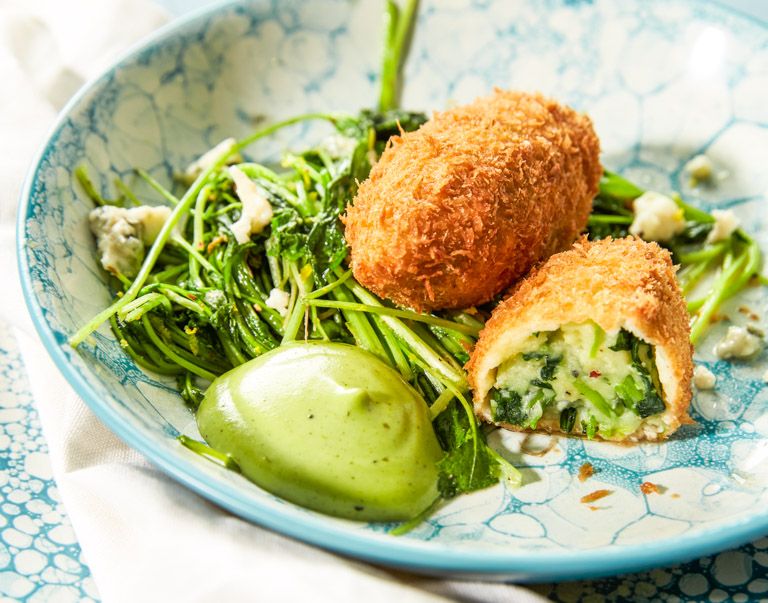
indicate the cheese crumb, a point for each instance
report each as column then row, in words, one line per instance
column 215, row 298
column 699, row 168
column 207, row 159
column 740, row 343
column 703, row 378
column 657, row 217
column 337, row 146
column 726, row 223
column 122, row 233
column 256, row 213
column 278, row 300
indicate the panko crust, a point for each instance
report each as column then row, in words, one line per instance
column 617, row 283
column 456, row 211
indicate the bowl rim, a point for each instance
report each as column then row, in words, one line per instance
column 520, row 564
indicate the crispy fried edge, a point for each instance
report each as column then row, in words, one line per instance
column 437, row 288
column 619, row 283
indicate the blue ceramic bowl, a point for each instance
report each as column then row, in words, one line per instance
column 663, row 81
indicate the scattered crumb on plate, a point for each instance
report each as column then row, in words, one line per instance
column 586, row 471
column 596, row 495
column 649, row 488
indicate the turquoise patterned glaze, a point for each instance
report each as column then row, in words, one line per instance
column 662, row 80
column 40, row 559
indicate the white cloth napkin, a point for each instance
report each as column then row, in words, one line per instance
column 144, row 537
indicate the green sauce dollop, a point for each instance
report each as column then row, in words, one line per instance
column 327, row 426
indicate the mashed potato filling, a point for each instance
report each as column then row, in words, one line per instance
column 586, row 379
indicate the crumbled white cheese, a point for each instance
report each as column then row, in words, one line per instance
column 703, row 378
column 725, row 223
column 338, row 146
column 699, row 168
column 278, row 300
column 740, row 343
column 207, row 159
column 657, row 217
column 215, row 298
column 765, row 376
column 256, row 213
column 121, row 234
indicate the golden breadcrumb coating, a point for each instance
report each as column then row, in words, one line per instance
column 622, row 283
column 454, row 212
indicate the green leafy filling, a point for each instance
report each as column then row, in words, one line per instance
column 636, row 393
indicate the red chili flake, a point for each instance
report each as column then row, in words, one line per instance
column 192, row 297
column 649, row 488
column 594, row 374
column 596, row 495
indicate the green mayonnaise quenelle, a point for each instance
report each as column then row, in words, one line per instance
column 327, row 426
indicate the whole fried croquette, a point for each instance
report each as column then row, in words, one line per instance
column 456, row 211
column 595, row 343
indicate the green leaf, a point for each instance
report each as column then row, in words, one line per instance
column 469, row 467
column 568, row 419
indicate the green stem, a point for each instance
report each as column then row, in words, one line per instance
column 330, row 287
column 187, row 246
column 410, row 339
column 409, row 525
column 753, row 265
column 705, row 253
column 690, row 278
column 398, row 28
column 159, row 187
column 440, row 404
column 171, row 353
column 282, row 124
column 389, row 58
column 184, row 301
column 197, row 235
column 716, row 296
column 82, row 177
column 398, row 356
column 219, row 458
column 595, row 397
column 149, row 261
column 605, row 219
column 126, row 191
column 406, row 314
column 361, row 328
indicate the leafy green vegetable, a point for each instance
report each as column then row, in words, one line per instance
column 624, row 341
column 547, row 372
column 597, row 342
column 508, row 407
column 467, row 466
column 523, row 410
column 595, row 398
column 199, row 304
column 568, row 419
column 590, row 428
column 733, row 261
column 642, row 399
